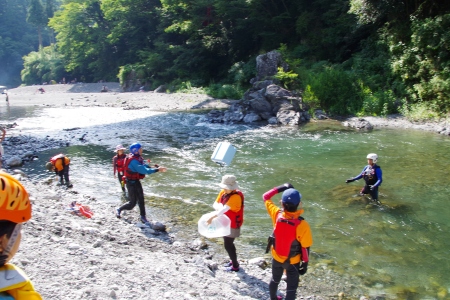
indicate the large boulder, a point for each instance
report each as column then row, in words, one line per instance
column 275, row 92
column 358, row 123
column 288, row 117
column 267, row 65
column 251, row 117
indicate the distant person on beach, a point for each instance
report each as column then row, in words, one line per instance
column 118, row 165
column 290, row 241
column 372, row 176
column 232, row 200
column 15, row 209
column 41, row 90
column 104, row 89
column 2, row 151
column 60, row 165
column 5, row 91
column 135, row 169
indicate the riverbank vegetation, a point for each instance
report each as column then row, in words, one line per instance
column 360, row 57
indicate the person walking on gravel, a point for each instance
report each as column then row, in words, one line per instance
column 135, row 170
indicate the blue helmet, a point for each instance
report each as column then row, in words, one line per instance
column 291, row 196
column 134, row 148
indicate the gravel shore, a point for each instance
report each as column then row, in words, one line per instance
column 88, row 94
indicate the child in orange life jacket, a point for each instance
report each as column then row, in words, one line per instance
column 232, row 200
column 60, row 164
column 135, row 170
column 15, row 209
column 292, row 239
column 118, row 165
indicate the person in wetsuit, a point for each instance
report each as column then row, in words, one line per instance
column 372, row 176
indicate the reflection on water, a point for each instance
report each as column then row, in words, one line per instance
column 398, row 248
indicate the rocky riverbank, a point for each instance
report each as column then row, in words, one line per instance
column 72, row 257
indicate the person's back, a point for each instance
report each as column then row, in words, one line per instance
column 290, row 246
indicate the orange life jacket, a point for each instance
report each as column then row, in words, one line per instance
column 64, row 161
column 237, row 218
column 130, row 175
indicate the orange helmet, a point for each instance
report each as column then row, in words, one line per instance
column 15, row 205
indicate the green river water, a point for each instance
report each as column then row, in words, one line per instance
column 399, row 247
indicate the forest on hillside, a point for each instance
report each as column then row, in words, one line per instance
column 361, row 57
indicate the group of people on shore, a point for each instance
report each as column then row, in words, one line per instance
column 289, row 242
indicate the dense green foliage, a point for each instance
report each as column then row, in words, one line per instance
column 17, row 38
column 43, row 66
column 362, row 57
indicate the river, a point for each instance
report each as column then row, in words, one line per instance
column 399, row 249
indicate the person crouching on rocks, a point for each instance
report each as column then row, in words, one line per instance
column 290, row 240
column 15, row 209
column 135, row 170
column 60, row 165
column 232, row 200
column 118, row 165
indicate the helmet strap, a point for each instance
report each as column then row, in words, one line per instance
column 13, row 239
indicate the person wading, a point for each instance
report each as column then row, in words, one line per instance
column 372, row 176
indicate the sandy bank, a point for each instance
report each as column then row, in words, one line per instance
column 88, row 94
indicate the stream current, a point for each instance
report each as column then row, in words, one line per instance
column 399, row 248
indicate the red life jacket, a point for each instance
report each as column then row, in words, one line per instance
column 130, row 175
column 56, row 157
column 120, row 162
column 237, row 218
column 285, row 234
column 64, row 161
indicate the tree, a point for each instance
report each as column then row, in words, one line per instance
column 82, row 35
column 37, row 17
column 17, row 38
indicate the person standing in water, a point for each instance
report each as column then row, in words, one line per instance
column 118, row 165
column 135, row 170
column 372, row 176
column 230, row 202
column 290, row 241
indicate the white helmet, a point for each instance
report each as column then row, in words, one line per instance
column 373, row 157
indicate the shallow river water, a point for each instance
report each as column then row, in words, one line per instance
column 399, row 248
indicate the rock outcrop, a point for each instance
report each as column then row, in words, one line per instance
column 265, row 101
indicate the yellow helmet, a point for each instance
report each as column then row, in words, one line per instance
column 15, row 204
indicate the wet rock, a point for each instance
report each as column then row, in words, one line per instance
column 155, row 225
column 251, row 117
column 288, row 117
column 14, row 161
column 359, row 123
column 320, row 115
